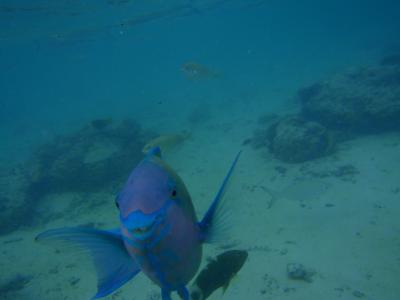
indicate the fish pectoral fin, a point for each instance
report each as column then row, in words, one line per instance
column 113, row 264
column 213, row 225
column 165, row 294
column 183, row 293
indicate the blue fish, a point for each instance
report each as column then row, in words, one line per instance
column 159, row 232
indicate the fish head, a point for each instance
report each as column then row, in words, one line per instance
column 153, row 189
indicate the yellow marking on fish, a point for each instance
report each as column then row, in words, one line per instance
column 166, row 141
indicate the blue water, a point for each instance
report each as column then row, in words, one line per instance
column 66, row 63
column 59, row 70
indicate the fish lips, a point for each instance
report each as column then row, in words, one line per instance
column 142, row 226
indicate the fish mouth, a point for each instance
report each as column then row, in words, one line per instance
column 143, row 229
column 146, row 228
column 141, row 226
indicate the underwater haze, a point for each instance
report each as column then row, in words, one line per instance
column 308, row 90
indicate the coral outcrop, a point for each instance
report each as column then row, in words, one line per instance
column 366, row 100
column 98, row 157
column 91, row 158
column 293, row 139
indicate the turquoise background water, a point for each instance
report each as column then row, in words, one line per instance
column 67, row 62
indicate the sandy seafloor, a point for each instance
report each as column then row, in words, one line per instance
column 344, row 228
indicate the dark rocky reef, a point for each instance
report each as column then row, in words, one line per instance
column 366, row 100
column 293, row 139
column 91, row 158
column 391, row 60
column 98, row 156
column 13, row 210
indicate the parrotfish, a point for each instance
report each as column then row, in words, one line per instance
column 159, row 232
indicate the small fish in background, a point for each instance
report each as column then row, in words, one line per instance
column 166, row 142
column 218, row 274
column 193, row 71
column 159, row 232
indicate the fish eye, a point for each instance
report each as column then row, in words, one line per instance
column 173, row 193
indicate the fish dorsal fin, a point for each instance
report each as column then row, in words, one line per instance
column 212, row 224
column 154, row 151
column 113, row 264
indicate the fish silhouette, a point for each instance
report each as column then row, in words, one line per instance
column 218, row 273
column 195, row 71
column 159, row 232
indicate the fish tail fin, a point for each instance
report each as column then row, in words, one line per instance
column 213, row 224
column 113, row 264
